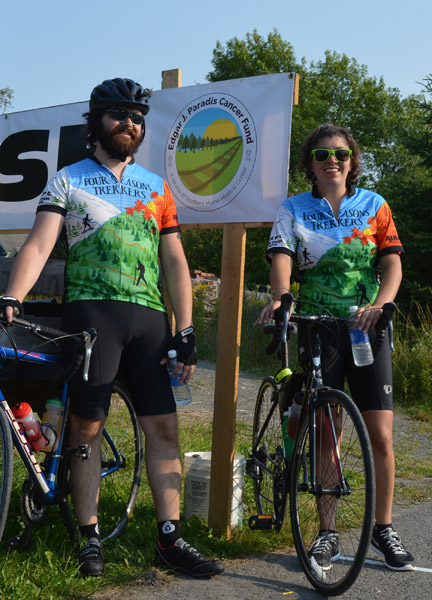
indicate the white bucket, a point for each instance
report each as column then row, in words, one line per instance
column 197, row 466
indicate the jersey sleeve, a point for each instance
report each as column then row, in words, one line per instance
column 55, row 196
column 387, row 236
column 169, row 218
column 282, row 237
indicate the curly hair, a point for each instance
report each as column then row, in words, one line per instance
column 93, row 118
column 312, row 141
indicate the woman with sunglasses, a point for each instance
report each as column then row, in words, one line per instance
column 347, row 252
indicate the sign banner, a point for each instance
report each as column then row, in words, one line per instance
column 222, row 147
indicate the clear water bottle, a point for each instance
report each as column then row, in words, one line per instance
column 182, row 392
column 30, row 423
column 360, row 344
column 52, row 421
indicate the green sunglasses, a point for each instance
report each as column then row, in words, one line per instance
column 323, row 154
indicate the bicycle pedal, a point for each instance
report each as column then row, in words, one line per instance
column 261, row 522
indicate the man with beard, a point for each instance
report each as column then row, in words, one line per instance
column 123, row 201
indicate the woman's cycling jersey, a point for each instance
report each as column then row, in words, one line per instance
column 113, row 230
column 337, row 258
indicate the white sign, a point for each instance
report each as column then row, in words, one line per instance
column 222, row 147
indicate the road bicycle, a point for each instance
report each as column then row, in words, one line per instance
column 46, row 483
column 330, row 476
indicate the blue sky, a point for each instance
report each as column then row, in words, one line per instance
column 55, row 52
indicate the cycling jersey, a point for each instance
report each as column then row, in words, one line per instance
column 337, row 258
column 113, row 230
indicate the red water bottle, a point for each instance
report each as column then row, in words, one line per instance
column 29, row 421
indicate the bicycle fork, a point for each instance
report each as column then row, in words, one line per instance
column 329, row 451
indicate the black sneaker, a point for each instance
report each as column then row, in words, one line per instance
column 183, row 557
column 388, row 544
column 325, row 549
column 91, row 558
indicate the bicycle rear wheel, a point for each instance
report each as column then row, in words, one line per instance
column 121, row 467
column 270, row 480
column 348, row 502
column 6, row 469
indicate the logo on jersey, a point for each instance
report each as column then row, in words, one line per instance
column 210, row 152
column 388, row 389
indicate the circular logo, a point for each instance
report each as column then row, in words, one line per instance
column 210, row 152
column 387, row 388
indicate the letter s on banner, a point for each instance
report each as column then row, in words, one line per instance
column 33, row 171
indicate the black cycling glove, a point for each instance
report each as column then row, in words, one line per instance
column 184, row 344
column 6, row 301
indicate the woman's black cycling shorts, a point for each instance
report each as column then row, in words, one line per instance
column 371, row 387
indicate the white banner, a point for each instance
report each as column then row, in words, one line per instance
column 222, row 147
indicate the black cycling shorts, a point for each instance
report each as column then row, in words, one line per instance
column 371, row 387
column 131, row 341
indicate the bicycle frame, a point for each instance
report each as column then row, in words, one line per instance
column 45, row 483
column 314, row 386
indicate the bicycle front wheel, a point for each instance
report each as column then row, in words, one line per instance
column 343, row 497
column 6, row 469
column 270, row 476
column 121, row 467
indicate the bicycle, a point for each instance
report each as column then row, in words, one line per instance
column 330, row 475
column 46, row 483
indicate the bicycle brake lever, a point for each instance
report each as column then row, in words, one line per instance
column 89, row 340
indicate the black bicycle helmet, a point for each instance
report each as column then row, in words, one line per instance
column 120, row 91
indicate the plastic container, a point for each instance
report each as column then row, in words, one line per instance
column 30, row 423
column 293, row 417
column 182, row 391
column 52, row 421
column 360, row 344
column 288, row 442
column 197, row 467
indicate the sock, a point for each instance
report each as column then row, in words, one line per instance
column 169, row 532
column 378, row 528
column 90, row 531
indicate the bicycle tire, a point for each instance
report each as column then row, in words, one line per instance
column 352, row 514
column 119, row 489
column 6, row 469
column 270, row 489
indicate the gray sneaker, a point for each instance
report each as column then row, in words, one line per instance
column 325, row 549
column 388, row 544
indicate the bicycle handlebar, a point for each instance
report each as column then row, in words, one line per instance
column 86, row 341
column 280, row 328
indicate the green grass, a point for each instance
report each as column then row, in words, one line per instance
column 48, row 569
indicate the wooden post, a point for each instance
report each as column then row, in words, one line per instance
column 226, row 383
column 170, row 79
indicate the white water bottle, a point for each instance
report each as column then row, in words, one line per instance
column 182, row 392
column 360, row 344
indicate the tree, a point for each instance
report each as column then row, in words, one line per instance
column 6, row 95
column 252, row 56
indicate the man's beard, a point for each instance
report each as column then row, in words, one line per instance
column 116, row 145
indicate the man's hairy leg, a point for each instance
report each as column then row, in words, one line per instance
column 85, row 474
column 163, row 463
